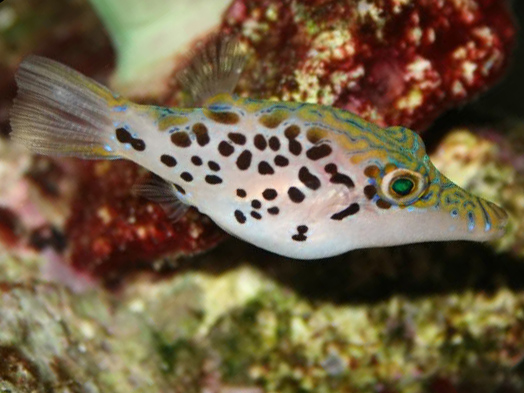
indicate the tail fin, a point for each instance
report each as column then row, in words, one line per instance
column 60, row 112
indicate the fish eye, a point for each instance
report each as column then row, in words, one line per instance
column 403, row 186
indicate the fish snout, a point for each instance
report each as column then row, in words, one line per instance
column 485, row 220
column 495, row 219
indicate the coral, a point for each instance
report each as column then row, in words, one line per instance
column 434, row 318
column 108, row 231
column 392, row 62
column 241, row 331
column 352, row 55
column 113, row 232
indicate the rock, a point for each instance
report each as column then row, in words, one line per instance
column 393, row 63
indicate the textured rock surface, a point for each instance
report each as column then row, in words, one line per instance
column 392, row 62
column 240, row 330
column 113, row 232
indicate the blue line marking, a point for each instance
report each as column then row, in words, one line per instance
column 121, row 108
column 487, row 226
column 471, row 223
column 219, row 107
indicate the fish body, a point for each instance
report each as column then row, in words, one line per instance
column 301, row 180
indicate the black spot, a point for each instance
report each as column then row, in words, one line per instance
column 225, row 149
column 300, row 237
column 202, row 136
column 138, row 144
column 274, row 143
column 308, row 179
column 382, row 204
column 295, row 147
column 212, row 179
column 340, row 178
column 318, row 152
column 123, row 136
column 256, row 215
column 240, row 216
column 181, row 139
column 291, row 133
column 295, row 194
column 330, row 168
column 237, row 138
column 337, row 177
column 241, row 193
column 370, row 191
column 273, row 210
column 213, row 166
column 281, row 161
column 196, row 160
column 256, row 204
column 168, row 160
column 180, row 189
column 244, row 160
column 269, row 194
column 260, row 142
column 265, row 169
column 186, row 176
column 348, row 211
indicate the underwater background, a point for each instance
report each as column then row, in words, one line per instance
column 100, row 292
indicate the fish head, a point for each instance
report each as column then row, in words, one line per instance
column 413, row 202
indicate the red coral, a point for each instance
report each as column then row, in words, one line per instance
column 109, row 233
column 10, row 227
column 394, row 63
column 113, row 232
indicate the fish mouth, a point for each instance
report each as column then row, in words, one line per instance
column 494, row 220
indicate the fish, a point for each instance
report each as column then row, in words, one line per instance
column 301, row 180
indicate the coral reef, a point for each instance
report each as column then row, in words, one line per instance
column 295, row 48
column 126, row 233
column 436, row 318
column 392, row 62
column 242, row 332
column 109, row 231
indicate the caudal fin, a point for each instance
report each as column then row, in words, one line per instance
column 60, row 112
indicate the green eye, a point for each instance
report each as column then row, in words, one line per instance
column 403, row 186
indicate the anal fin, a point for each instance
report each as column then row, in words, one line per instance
column 214, row 68
column 159, row 191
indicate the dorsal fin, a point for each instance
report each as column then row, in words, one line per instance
column 159, row 191
column 213, row 69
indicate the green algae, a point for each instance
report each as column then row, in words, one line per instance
column 151, row 337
